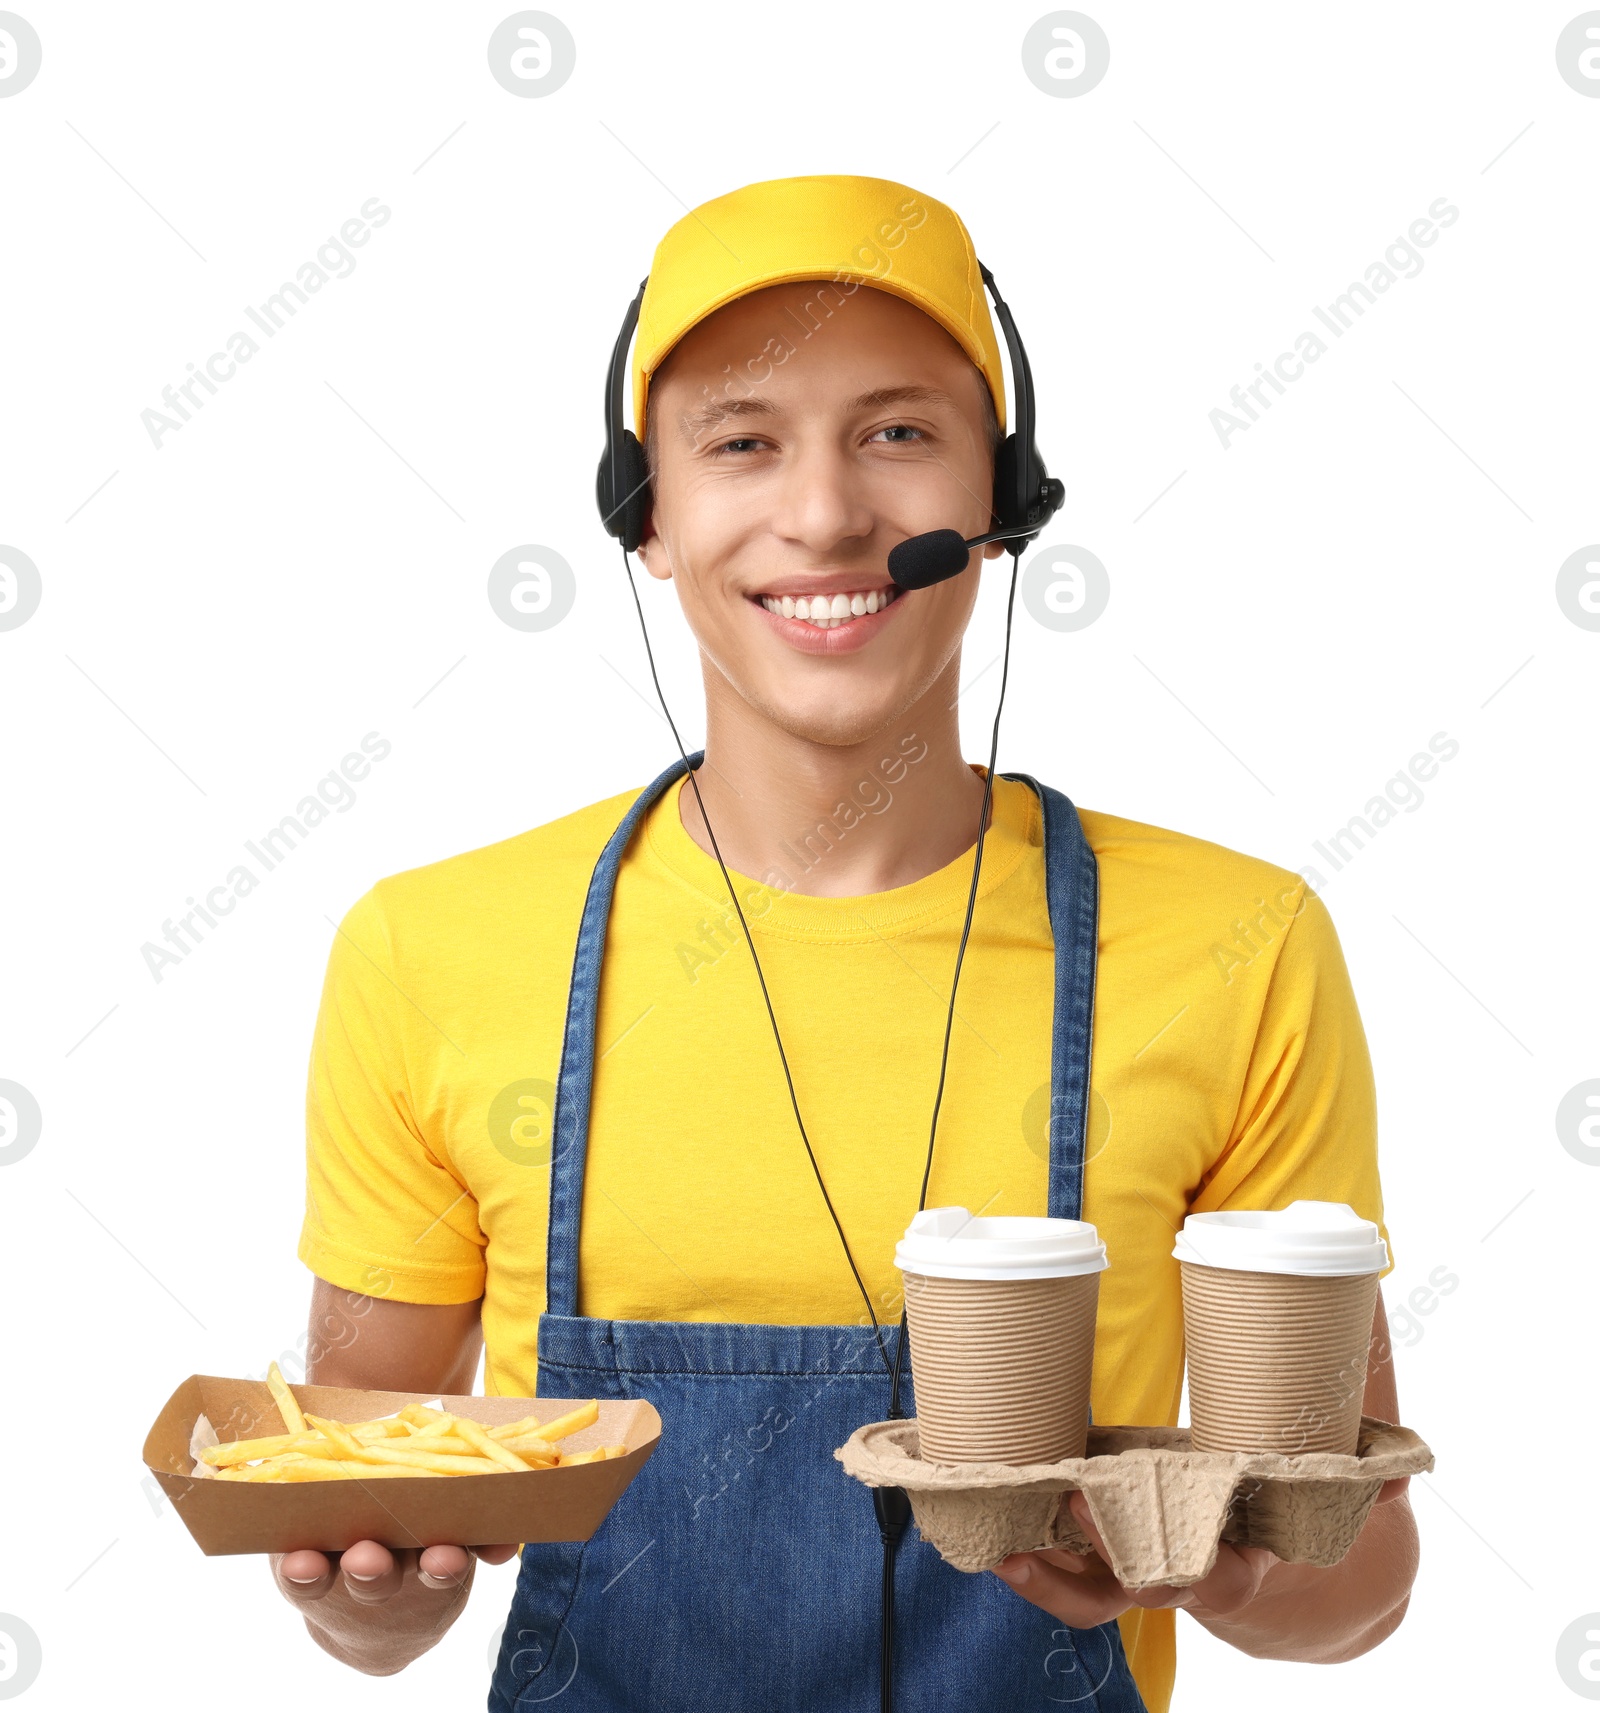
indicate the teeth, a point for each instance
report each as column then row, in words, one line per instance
column 828, row 611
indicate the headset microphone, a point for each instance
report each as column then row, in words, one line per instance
column 920, row 561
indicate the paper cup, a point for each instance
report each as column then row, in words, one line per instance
column 1277, row 1317
column 1000, row 1314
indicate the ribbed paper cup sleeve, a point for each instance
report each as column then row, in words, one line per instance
column 1001, row 1367
column 1277, row 1361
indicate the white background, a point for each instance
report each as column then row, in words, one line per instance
column 306, row 561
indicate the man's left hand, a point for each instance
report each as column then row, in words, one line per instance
column 1080, row 1589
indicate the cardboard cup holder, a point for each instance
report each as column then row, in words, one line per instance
column 455, row 1510
column 1161, row 1507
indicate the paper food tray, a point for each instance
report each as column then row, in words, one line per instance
column 462, row 1510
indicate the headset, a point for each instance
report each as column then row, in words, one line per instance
column 1026, row 497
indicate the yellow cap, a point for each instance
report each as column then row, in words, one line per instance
column 829, row 227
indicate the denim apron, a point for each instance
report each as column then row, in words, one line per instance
column 741, row 1570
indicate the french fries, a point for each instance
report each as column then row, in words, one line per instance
column 284, row 1399
column 417, row 1441
column 598, row 1455
column 480, row 1442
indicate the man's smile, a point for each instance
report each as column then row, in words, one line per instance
column 826, row 609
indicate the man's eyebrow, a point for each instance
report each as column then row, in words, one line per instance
column 697, row 422
column 885, row 396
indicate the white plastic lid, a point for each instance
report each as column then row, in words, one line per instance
column 950, row 1243
column 1312, row 1238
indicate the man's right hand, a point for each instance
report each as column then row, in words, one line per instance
column 377, row 1609
column 371, row 1607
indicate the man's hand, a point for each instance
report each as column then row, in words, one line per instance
column 1251, row 1598
column 371, row 1607
column 1080, row 1589
column 378, row 1609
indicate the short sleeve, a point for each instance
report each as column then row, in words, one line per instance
column 1307, row 1125
column 384, row 1214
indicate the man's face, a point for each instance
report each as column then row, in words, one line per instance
column 781, row 491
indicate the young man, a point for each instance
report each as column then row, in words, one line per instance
column 817, row 378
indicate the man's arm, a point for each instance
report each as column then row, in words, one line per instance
column 386, row 1346
column 1253, row 1599
column 373, row 1608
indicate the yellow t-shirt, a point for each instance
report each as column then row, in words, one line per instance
column 1229, row 1069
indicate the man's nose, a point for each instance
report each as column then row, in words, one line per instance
column 823, row 501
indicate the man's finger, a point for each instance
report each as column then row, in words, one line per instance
column 1392, row 1490
column 443, row 1566
column 1079, row 1600
column 371, row 1573
column 495, row 1554
column 1232, row 1582
column 304, row 1575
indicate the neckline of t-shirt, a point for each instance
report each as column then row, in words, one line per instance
column 1015, row 828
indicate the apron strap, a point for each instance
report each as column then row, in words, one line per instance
column 1072, row 892
column 575, row 1083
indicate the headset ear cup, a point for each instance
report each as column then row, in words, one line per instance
column 1005, row 485
column 1010, row 511
column 625, row 512
column 635, row 496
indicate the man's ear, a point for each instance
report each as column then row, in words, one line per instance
column 652, row 551
column 993, row 549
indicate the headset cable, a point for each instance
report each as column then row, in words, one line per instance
column 891, row 1505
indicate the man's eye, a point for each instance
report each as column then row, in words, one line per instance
column 899, row 428
column 744, row 443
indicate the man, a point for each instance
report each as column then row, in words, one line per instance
column 817, row 379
